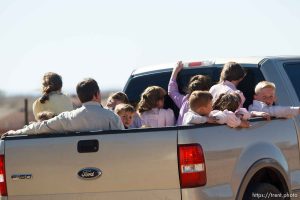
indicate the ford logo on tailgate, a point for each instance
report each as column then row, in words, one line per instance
column 89, row 173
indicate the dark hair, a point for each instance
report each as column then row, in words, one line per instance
column 150, row 97
column 232, row 71
column 51, row 82
column 199, row 82
column 229, row 101
column 199, row 98
column 87, row 89
column 121, row 96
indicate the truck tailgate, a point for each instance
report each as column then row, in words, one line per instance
column 133, row 165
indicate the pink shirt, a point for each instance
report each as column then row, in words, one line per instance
column 225, row 87
column 158, row 118
column 181, row 101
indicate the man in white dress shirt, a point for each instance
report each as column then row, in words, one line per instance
column 90, row 117
column 264, row 98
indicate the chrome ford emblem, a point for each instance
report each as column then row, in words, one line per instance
column 89, row 173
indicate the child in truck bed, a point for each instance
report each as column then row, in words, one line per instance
column 151, row 108
column 231, row 75
column 126, row 113
column 201, row 111
column 265, row 97
column 197, row 82
column 121, row 98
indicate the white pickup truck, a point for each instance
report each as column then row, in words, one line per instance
column 201, row 162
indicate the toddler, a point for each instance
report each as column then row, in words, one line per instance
column 126, row 113
column 151, row 108
column 118, row 98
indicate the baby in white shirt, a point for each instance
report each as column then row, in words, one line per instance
column 264, row 98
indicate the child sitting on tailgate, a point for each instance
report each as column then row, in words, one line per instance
column 264, row 98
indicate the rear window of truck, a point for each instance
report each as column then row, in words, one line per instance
column 137, row 84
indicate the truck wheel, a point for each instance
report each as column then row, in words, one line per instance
column 263, row 191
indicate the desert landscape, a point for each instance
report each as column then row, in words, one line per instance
column 13, row 112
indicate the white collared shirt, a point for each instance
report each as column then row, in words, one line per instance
column 221, row 117
column 274, row 111
column 90, row 117
column 192, row 117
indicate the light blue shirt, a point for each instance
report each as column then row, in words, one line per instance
column 90, row 117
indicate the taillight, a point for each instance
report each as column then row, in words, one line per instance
column 3, row 190
column 191, row 166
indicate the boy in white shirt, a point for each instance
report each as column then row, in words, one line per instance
column 264, row 98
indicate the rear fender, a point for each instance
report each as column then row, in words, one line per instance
column 252, row 159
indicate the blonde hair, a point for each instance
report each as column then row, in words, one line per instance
column 150, row 97
column 122, row 107
column 199, row 98
column 264, row 84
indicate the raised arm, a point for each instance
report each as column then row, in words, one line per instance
column 173, row 91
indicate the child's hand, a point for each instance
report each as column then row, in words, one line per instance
column 211, row 120
column 261, row 114
column 244, row 124
column 11, row 132
column 177, row 69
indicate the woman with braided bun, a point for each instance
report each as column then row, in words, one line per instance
column 52, row 100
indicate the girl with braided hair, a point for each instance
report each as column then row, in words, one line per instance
column 52, row 100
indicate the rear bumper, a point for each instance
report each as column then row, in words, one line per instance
column 220, row 192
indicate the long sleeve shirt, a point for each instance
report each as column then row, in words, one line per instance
column 90, row 117
column 158, row 118
column 225, row 87
column 220, row 117
column 181, row 101
column 274, row 111
column 57, row 103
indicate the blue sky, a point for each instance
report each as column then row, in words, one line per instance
column 106, row 40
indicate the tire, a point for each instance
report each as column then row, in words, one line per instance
column 263, row 191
